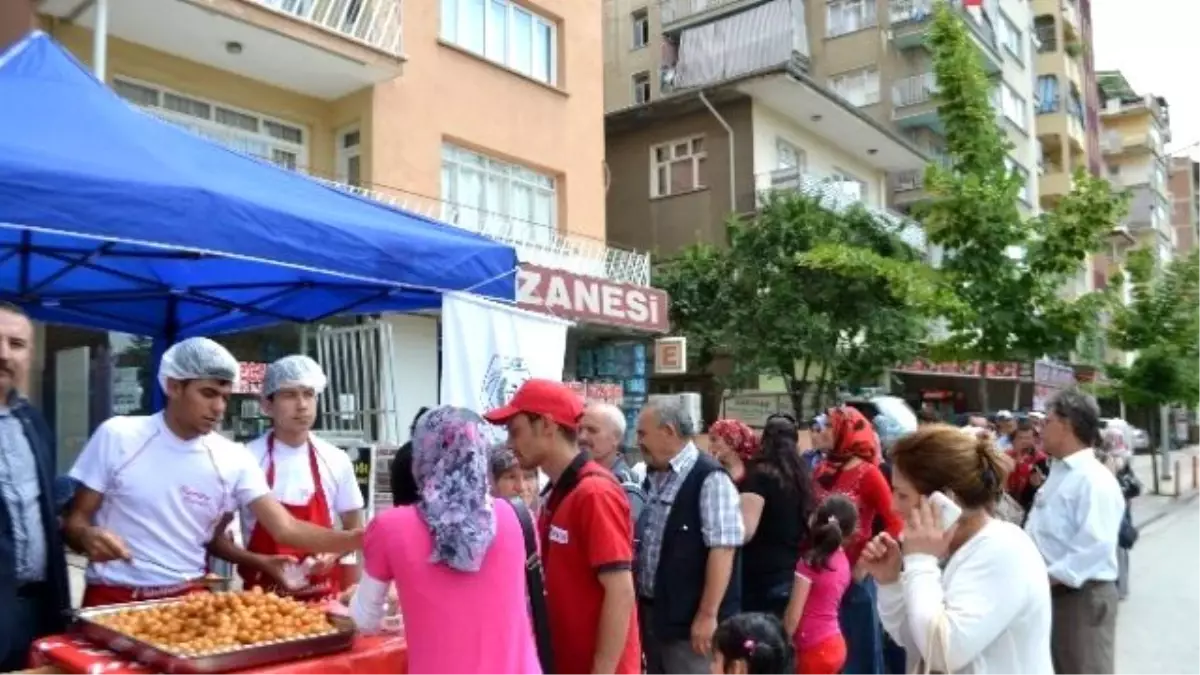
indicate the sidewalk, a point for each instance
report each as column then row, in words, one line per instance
column 1150, row 507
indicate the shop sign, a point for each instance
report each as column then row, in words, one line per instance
column 670, row 356
column 599, row 392
column 591, row 299
column 995, row 371
column 250, row 377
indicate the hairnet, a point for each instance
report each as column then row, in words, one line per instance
column 197, row 358
column 292, row 371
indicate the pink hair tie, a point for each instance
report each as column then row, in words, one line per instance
column 749, row 645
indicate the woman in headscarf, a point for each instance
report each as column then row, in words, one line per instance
column 776, row 491
column 457, row 558
column 851, row 468
column 732, row 443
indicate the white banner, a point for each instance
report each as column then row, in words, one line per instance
column 489, row 350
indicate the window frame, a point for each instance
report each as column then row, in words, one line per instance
column 865, row 8
column 638, row 80
column 862, row 75
column 659, row 190
column 1011, row 30
column 454, row 17
column 641, row 27
column 457, row 159
column 217, row 131
column 782, row 143
column 840, row 175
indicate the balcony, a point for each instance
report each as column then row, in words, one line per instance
column 769, row 35
column 1058, row 128
column 914, row 102
column 322, row 48
column 910, row 21
column 837, row 196
column 1115, row 143
column 680, row 14
column 1072, row 28
column 1056, row 183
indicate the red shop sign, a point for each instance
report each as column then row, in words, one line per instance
column 591, row 299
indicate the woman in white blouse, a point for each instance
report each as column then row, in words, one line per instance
column 973, row 598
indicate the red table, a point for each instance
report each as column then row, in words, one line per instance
column 370, row 654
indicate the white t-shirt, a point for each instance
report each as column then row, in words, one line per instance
column 163, row 496
column 293, row 478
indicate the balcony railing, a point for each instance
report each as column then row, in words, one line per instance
column 914, row 90
column 375, row 23
column 917, row 11
column 772, row 34
column 838, row 196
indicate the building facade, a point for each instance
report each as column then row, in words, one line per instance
column 1184, row 184
column 1062, row 91
column 871, row 53
column 1135, row 131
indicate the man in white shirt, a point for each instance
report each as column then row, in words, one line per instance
column 1074, row 522
column 153, row 488
column 313, row 479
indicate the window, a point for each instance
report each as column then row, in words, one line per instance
column 349, row 156
column 641, row 87
column 241, row 130
column 859, row 87
column 1012, row 38
column 788, row 156
column 641, row 29
column 848, row 16
column 1027, row 180
column 1012, row 106
column 678, row 166
column 852, row 185
column 497, row 198
column 506, row 33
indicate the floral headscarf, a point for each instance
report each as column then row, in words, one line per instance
column 739, row 437
column 853, row 436
column 450, row 464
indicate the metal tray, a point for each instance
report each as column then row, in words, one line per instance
column 230, row 660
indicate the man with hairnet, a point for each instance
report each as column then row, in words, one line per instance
column 154, row 488
column 313, row 479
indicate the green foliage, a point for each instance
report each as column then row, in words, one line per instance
column 1006, row 270
column 1162, row 324
column 806, row 292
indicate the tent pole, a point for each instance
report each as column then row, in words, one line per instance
column 100, row 40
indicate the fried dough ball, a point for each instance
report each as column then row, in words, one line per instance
column 206, row 623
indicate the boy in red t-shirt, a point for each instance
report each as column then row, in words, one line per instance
column 586, row 534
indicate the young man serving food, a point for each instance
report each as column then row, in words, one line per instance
column 153, row 489
column 312, row 479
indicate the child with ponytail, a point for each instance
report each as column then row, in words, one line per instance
column 822, row 576
column 751, row 643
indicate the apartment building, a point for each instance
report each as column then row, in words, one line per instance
column 1062, row 93
column 488, row 116
column 1183, row 181
column 1135, row 129
column 870, row 53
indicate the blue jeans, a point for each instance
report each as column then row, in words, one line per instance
column 859, row 619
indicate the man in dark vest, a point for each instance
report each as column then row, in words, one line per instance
column 688, row 567
column 34, row 595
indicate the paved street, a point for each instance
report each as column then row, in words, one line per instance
column 1158, row 623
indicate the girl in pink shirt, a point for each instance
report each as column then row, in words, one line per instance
column 457, row 558
column 822, row 576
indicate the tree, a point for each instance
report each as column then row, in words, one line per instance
column 1007, row 270
column 808, row 291
column 1162, row 324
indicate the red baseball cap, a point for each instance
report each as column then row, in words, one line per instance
column 542, row 397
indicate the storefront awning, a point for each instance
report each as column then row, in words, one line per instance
column 113, row 219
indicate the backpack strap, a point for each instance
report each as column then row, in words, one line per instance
column 535, row 586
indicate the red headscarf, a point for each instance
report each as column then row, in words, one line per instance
column 739, row 437
column 853, row 436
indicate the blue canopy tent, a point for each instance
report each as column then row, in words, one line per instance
column 113, row 219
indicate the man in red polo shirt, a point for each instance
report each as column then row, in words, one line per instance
column 586, row 533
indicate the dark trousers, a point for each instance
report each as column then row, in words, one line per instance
column 771, row 600
column 859, row 620
column 27, row 622
column 1084, row 629
column 667, row 656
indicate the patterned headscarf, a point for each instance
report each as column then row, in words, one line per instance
column 739, row 437
column 450, row 464
column 853, row 436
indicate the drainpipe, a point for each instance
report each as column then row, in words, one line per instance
column 100, row 40
column 733, row 205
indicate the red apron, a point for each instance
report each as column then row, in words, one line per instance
column 316, row 512
column 98, row 595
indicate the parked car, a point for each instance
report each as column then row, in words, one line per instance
column 1121, row 433
column 1141, row 440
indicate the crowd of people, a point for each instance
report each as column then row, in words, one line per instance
column 752, row 555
